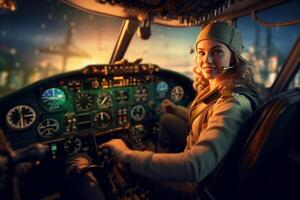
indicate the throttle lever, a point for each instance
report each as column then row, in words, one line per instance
column 104, row 157
column 104, row 162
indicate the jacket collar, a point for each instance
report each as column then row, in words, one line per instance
column 207, row 96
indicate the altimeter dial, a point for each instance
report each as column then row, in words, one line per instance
column 21, row 117
column 84, row 101
column 48, row 128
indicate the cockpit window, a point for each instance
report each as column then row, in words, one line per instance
column 43, row 38
column 267, row 48
column 171, row 48
column 51, row 37
column 296, row 82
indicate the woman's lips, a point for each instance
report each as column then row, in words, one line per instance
column 208, row 69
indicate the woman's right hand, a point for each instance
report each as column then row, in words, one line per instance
column 118, row 148
column 168, row 106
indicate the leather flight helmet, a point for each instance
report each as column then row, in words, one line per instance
column 222, row 32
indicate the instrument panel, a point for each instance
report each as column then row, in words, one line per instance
column 74, row 110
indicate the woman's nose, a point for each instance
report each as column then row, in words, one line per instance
column 207, row 58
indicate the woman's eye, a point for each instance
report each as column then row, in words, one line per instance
column 201, row 53
column 217, row 52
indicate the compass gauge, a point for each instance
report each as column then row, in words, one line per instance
column 53, row 99
column 177, row 93
column 21, row 117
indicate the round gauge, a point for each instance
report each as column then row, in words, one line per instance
column 72, row 146
column 104, row 100
column 53, row 99
column 102, row 119
column 141, row 94
column 122, row 96
column 162, row 89
column 138, row 113
column 20, row 117
column 177, row 93
column 48, row 128
column 84, row 101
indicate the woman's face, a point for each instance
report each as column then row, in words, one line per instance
column 212, row 57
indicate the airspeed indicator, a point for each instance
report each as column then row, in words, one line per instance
column 20, row 117
column 104, row 100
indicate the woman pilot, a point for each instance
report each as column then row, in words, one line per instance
column 226, row 97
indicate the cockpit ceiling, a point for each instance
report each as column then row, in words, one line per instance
column 174, row 12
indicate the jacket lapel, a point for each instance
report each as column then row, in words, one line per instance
column 202, row 103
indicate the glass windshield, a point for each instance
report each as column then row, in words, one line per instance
column 42, row 38
column 171, row 48
column 267, row 48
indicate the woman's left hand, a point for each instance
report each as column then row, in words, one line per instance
column 118, row 148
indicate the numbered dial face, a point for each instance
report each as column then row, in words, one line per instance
column 177, row 93
column 48, row 128
column 104, row 100
column 102, row 119
column 20, row 117
column 84, row 101
column 122, row 96
column 53, row 99
column 162, row 89
column 138, row 113
column 73, row 146
column 141, row 94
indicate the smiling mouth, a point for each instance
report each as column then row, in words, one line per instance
column 208, row 68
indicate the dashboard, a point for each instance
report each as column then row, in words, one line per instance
column 75, row 111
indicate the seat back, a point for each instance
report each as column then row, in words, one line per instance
column 253, row 167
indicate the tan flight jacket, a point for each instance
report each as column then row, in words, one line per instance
column 207, row 143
